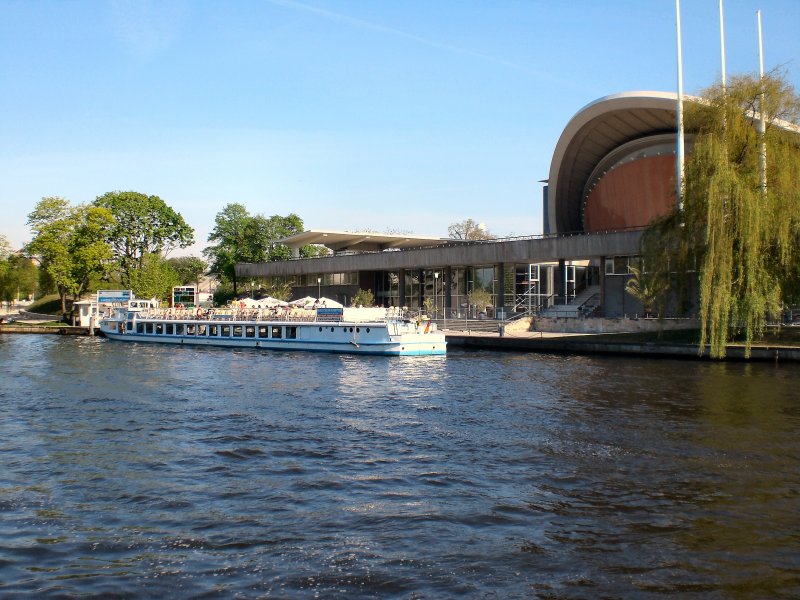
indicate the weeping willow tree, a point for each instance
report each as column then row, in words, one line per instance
column 737, row 240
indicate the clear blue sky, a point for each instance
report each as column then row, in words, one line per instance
column 380, row 114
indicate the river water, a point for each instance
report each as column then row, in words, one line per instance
column 131, row 470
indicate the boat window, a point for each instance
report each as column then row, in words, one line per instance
column 130, row 325
column 237, row 331
column 148, row 327
column 358, row 330
column 332, row 329
column 190, row 329
column 250, row 331
column 291, row 333
column 225, row 330
column 170, row 329
column 140, row 328
column 276, row 331
column 263, row 331
column 213, row 330
column 179, row 329
column 202, row 330
column 367, row 329
column 159, row 328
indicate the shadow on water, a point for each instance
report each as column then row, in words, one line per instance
column 144, row 471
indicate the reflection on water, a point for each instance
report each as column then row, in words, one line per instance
column 146, row 471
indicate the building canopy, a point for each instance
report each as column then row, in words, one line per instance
column 342, row 241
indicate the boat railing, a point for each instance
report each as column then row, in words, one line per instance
column 300, row 315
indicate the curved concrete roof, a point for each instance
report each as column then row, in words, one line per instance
column 596, row 130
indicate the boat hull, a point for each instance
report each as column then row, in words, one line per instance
column 390, row 339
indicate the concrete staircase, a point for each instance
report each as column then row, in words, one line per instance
column 582, row 305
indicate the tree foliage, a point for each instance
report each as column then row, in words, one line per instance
column 363, row 298
column 5, row 247
column 469, row 229
column 480, row 298
column 188, row 269
column 143, row 225
column 155, row 278
column 739, row 240
column 239, row 237
column 646, row 287
column 71, row 244
column 18, row 274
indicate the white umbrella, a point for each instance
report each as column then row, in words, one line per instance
column 248, row 302
column 271, row 302
column 302, row 301
column 330, row 303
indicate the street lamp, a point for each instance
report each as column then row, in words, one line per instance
column 319, row 288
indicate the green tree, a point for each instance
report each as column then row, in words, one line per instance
column 646, row 287
column 5, row 267
column 469, row 230
column 480, row 298
column 5, row 247
column 363, row 298
column 70, row 243
column 19, row 276
column 239, row 237
column 144, row 225
column 189, row 269
column 741, row 241
column 228, row 236
column 155, row 278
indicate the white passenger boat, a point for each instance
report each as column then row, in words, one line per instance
column 343, row 330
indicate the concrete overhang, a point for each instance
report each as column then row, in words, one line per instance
column 341, row 241
column 520, row 251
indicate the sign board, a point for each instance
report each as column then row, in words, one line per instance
column 113, row 296
column 330, row 314
column 185, row 295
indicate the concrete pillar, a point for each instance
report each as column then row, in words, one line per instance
column 561, row 284
column 447, row 288
column 499, row 269
column 602, row 309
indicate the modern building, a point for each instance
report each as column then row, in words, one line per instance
column 613, row 171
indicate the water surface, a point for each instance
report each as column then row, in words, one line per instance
column 146, row 471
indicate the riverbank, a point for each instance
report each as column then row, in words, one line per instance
column 55, row 329
column 676, row 344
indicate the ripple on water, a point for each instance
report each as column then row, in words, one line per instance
column 207, row 472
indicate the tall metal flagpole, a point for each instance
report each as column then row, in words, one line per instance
column 762, row 126
column 680, row 167
column 722, row 43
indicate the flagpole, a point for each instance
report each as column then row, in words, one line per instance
column 680, row 167
column 762, row 126
column 722, row 43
